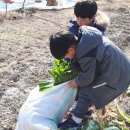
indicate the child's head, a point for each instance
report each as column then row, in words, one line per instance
column 85, row 12
column 63, row 45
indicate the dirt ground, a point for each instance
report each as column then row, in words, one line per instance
column 24, row 53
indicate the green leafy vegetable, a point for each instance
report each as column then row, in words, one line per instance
column 91, row 125
column 112, row 128
column 46, row 84
column 61, row 73
column 95, row 125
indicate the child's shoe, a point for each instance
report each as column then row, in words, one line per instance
column 70, row 123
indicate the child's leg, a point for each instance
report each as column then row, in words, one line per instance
column 84, row 103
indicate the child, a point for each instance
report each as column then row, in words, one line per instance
column 104, row 71
column 86, row 14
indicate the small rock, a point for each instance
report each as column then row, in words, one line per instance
column 2, row 60
column 128, row 38
column 122, row 9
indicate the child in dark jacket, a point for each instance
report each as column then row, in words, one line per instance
column 104, row 70
column 86, row 14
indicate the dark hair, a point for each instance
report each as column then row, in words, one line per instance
column 60, row 43
column 85, row 9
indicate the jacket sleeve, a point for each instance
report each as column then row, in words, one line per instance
column 87, row 74
column 74, row 28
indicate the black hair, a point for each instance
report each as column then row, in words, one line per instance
column 60, row 43
column 85, row 9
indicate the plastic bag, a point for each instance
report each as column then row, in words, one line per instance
column 44, row 110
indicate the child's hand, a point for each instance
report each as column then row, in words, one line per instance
column 73, row 84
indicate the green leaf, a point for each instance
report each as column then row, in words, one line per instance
column 46, row 84
column 109, row 124
column 91, row 125
column 61, row 72
column 112, row 128
column 57, row 62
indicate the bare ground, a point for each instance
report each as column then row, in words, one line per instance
column 24, row 53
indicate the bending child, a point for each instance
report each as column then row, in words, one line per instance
column 86, row 14
column 104, row 70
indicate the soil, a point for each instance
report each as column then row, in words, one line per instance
column 24, row 53
column 125, row 105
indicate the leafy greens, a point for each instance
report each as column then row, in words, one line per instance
column 61, row 72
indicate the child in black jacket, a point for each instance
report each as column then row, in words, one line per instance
column 104, row 71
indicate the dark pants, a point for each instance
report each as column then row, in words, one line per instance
column 99, row 97
column 84, row 103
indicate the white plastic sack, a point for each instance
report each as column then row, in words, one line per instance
column 44, row 110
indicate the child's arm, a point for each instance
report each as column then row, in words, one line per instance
column 88, row 71
column 74, row 28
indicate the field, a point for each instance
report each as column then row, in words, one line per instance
column 24, row 52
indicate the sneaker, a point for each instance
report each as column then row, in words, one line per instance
column 70, row 123
column 88, row 115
